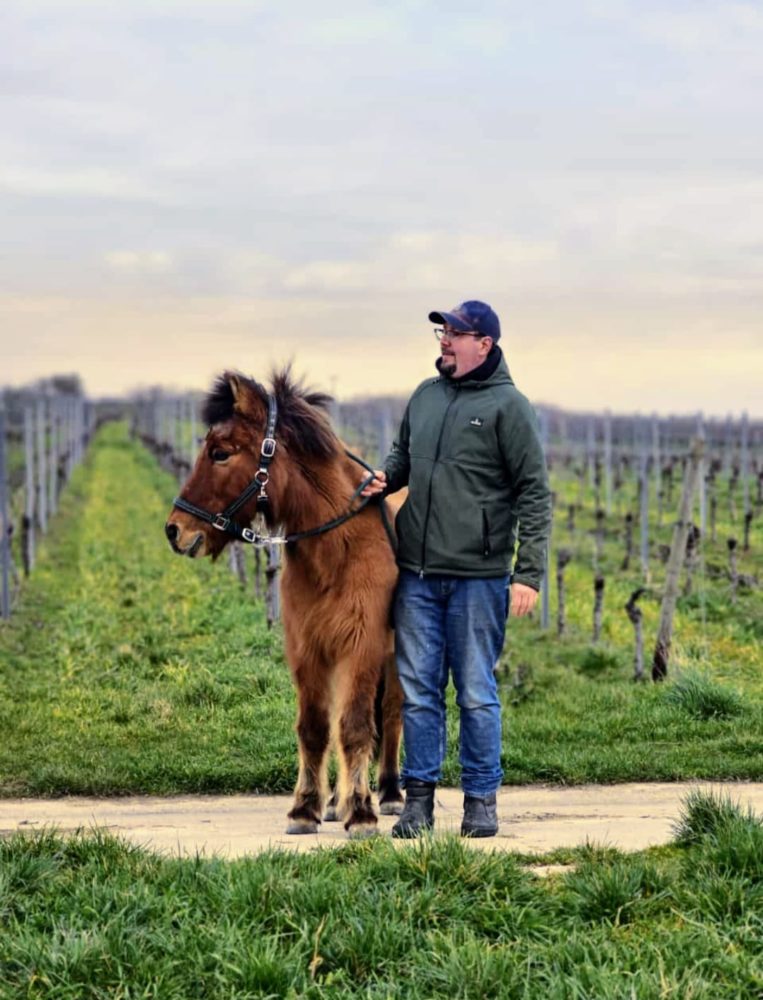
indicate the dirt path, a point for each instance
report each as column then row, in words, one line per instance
column 533, row 819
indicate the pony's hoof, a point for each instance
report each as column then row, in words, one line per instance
column 302, row 826
column 330, row 815
column 393, row 807
column 362, row 831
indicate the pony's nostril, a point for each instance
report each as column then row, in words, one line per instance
column 171, row 531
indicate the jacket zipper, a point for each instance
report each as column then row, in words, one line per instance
column 429, row 495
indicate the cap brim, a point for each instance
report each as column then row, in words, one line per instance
column 449, row 319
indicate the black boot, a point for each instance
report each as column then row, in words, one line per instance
column 418, row 814
column 480, row 816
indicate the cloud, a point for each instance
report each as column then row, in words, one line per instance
column 411, row 260
column 577, row 166
column 84, row 183
column 139, row 261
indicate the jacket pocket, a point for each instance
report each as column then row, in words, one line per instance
column 485, row 533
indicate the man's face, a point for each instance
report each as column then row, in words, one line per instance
column 462, row 352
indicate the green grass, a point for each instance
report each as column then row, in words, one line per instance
column 91, row 916
column 129, row 670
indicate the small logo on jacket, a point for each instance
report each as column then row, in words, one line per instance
column 476, row 422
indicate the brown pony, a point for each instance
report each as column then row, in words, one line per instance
column 336, row 587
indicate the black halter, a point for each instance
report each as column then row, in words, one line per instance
column 224, row 520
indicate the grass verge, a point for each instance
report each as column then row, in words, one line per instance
column 93, row 917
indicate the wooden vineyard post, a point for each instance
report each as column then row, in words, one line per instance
column 236, row 561
column 733, row 480
column 701, row 487
column 27, row 524
column 713, row 505
column 728, row 445
column 563, row 556
column 733, row 572
column 257, row 574
column 191, row 422
column 546, row 581
column 628, row 541
column 5, row 541
column 675, row 561
column 42, row 494
column 386, row 433
column 598, row 539
column 53, row 458
column 271, row 575
column 598, row 605
column 591, row 452
column 644, row 510
column 745, row 463
column 692, row 557
column 656, row 462
column 636, row 616
column 608, row 462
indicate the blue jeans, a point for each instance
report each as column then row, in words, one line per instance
column 451, row 623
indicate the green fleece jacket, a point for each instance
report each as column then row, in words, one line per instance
column 470, row 454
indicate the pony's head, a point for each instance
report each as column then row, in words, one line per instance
column 236, row 412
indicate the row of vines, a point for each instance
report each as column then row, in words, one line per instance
column 662, row 506
column 44, row 432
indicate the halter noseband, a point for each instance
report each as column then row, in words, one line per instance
column 224, row 521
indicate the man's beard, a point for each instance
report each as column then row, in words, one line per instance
column 448, row 365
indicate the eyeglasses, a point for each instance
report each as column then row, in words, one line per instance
column 442, row 331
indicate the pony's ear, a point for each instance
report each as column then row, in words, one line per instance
column 245, row 401
column 236, row 388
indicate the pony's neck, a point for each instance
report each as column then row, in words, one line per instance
column 318, row 492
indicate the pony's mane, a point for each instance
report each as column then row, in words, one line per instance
column 302, row 423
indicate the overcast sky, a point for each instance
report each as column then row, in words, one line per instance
column 191, row 186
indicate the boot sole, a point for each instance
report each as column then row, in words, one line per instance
column 410, row 832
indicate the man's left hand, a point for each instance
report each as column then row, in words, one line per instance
column 523, row 599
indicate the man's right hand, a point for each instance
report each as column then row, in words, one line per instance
column 377, row 485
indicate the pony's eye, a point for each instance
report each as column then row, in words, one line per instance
column 219, row 455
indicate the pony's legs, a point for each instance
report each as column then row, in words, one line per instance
column 355, row 694
column 390, row 796
column 313, row 730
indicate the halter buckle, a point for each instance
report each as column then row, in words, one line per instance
column 248, row 535
column 221, row 522
column 262, row 478
column 268, row 448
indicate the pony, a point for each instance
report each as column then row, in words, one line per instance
column 276, row 452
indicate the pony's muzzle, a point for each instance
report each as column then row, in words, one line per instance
column 183, row 546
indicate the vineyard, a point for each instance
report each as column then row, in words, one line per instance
column 124, row 669
column 129, row 670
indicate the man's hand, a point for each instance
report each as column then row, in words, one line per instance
column 377, row 484
column 523, row 600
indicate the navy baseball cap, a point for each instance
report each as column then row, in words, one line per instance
column 473, row 315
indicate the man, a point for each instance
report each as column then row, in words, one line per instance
column 469, row 451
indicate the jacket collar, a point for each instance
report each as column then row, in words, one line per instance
column 482, row 372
